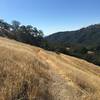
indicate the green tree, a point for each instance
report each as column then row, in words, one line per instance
column 15, row 25
column 40, row 33
column 83, row 50
column 1, row 23
column 4, row 25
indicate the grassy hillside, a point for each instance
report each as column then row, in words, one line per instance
column 31, row 73
column 79, row 42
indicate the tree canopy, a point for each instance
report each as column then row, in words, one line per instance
column 23, row 33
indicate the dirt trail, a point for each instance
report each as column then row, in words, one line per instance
column 67, row 72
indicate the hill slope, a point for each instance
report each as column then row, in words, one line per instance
column 89, row 36
column 80, row 42
column 31, row 73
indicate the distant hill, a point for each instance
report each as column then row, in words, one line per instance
column 31, row 73
column 86, row 38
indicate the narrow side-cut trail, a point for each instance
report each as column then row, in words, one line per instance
column 69, row 72
column 31, row 73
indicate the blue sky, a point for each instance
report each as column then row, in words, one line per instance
column 52, row 15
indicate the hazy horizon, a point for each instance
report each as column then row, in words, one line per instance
column 52, row 15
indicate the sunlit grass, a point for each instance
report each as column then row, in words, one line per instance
column 31, row 73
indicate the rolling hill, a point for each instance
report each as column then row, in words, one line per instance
column 89, row 36
column 86, row 39
column 31, row 73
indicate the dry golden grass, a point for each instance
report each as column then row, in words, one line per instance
column 31, row 73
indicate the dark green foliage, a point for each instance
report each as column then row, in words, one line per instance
column 15, row 25
column 26, row 34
